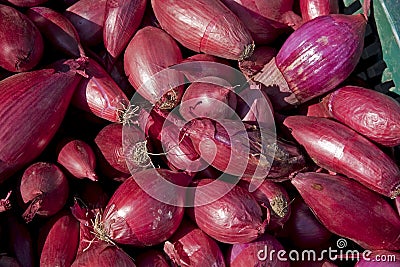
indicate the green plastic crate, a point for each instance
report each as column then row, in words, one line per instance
column 380, row 61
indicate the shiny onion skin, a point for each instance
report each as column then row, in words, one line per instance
column 247, row 254
column 263, row 30
column 59, row 239
column 190, row 246
column 103, row 255
column 315, row 58
column 45, row 188
column 79, row 159
column 350, row 210
column 234, row 218
column 310, row 9
column 150, row 51
column 88, row 18
column 386, row 258
column 26, row 3
column 21, row 44
column 372, row 114
column 32, row 108
column 135, row 218
column 338, row 148
column 100, row 95
column 216, row 31
column 57, row 29
column 151, row 258
column 121, row 20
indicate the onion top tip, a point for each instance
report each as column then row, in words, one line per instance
column 248, row 51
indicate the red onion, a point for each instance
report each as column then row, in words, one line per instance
column 8, row 261
column 264, row 30
column 311, row 9
column 103, row 255
column 235, row 217
column 274, row 201
column 215, row 31
column 350, row 210
column 100, row 95
column 79, row 159
column 22, row 43
column 314, row 59
column 379, row 258
column 255, row 63
column 151, row 258
column 337, row 148
column 304, row 230
column 372, row 114
column 20, row 241
column 59, row 239
column 190, row 246
column 26, row 3
column 57, row 29
column 87, row 16
column 5, row 203
column 45, row 188
column 149, row 52
column 120, row 147
column 133, row 216
column 27, row 123
column 256, row 253
column 211, row 98
column 225, row 145
column 121, row 20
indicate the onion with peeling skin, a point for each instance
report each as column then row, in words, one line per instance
column 45, row 188
column 350, row 210
column 216, row 31
column 190, row 246
column 21, row 44
column 236, row 217
column 254, row 64
column 150, row 52
column 87, row 16
column 79, row 159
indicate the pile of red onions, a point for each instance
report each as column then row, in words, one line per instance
column 205, row 133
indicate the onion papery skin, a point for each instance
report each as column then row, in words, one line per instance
column 350, row 210
column 45, row 188
column 26, row 3
column 263, row 30
column 100, row 95
column 372, row 114
column 87, row 16
column 254, row 64
column 121, row 20
column 234, row 218
column 22, row 43
column 310, row 9
column 79, row 159
column 57, row 29
column 135, row 218
column 380, row 255
column 190, row 246
column 55, row 251
column 103, row 255
column 246, row 254
column 216, row 31
column 321, row 54
column 150, row 258
column 27, row 99
column 149, row 52
column 336, row 147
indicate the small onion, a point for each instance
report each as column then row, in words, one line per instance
column 21, row 42
column 256, row 253
column 79, row 159
column 190, row 246
column 45, row 188
column 236, row 217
